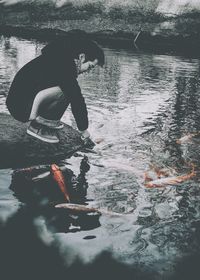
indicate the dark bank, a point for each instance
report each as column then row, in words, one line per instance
column 146, row 26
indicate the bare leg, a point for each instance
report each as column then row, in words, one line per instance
column 54, row 109
column 48, row 107
column 49, row 103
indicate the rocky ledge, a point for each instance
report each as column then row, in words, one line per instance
column 18, row 149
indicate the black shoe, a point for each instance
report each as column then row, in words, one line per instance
column 41, row 132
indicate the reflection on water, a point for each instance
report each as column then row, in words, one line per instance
column 139, row 105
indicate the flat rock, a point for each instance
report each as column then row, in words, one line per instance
column 18, row 149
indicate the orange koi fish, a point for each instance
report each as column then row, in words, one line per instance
column 169, row 180
column 163, row 172
column 60, row 180
column 98, row 140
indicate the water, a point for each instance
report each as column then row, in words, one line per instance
column 139, row 104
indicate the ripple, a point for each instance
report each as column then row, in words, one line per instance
column 139, row 105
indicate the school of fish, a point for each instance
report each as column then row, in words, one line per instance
column 164, row 181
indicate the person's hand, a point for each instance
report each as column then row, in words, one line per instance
column 85, row 136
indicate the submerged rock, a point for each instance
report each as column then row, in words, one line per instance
column 19, row 149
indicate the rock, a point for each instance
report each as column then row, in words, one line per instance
column 18, row 149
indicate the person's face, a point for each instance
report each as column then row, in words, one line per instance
column 86, row 66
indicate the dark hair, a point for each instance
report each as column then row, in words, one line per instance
column 91, row 50
column 81, row 43
column 74, row 43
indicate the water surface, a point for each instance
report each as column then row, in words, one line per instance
column 139, row 104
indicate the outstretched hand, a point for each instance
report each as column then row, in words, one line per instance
column 85, row 136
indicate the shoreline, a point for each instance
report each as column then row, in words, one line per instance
column 19, row 150
column 125, row 25
column 157, row 41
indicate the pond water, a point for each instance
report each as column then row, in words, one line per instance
column 139, row 104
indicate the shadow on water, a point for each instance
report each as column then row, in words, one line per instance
column 28, row 238
column 28, row 252
column 140, row 107
column 37, row 188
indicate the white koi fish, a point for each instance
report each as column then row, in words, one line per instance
column 80, row 209
column 186, row 138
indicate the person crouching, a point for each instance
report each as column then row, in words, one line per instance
column 43, row 88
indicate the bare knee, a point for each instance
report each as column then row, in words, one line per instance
column 43, row 97
column 50, row 93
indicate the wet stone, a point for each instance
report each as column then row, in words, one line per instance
column 18, row 149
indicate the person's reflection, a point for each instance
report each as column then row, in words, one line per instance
column 36, row 188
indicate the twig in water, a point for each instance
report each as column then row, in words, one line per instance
column 136, row 37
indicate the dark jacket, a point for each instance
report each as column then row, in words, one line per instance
column 54, row 67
